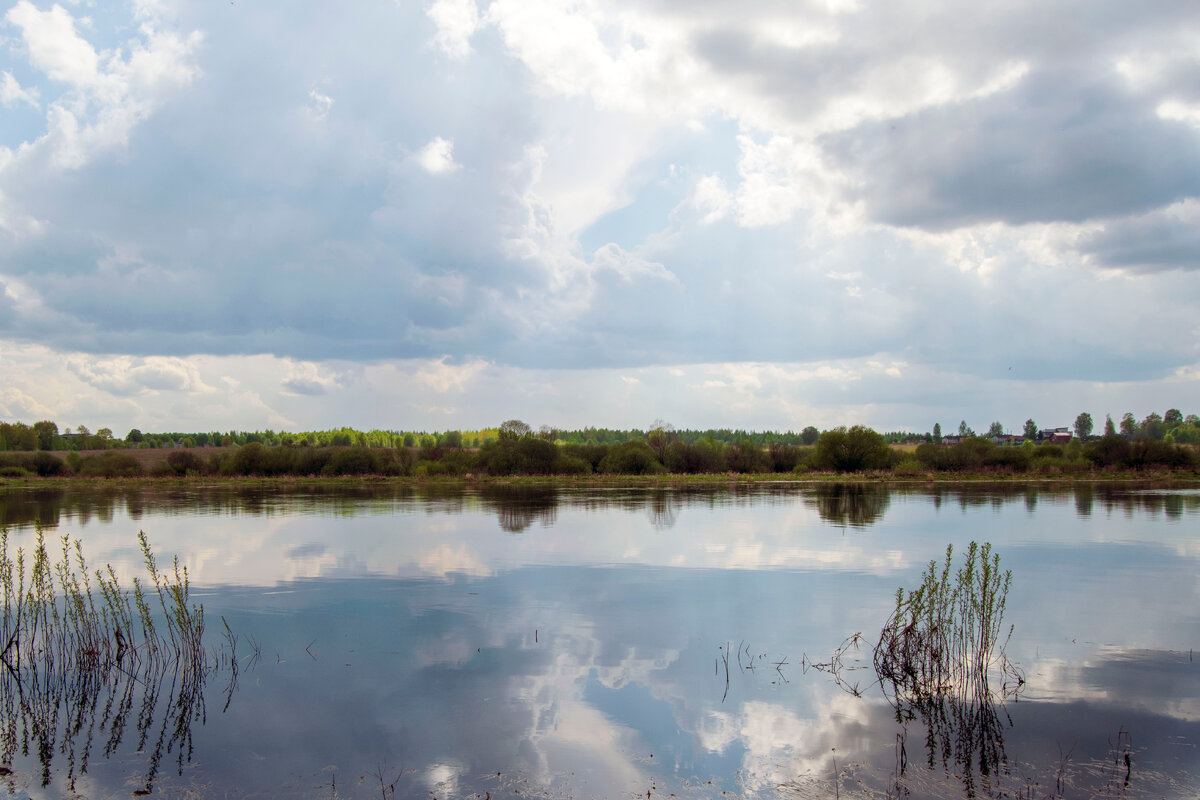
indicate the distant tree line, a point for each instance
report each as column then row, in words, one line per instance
column 516, row 449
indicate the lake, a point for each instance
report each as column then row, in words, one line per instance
column 462, row 642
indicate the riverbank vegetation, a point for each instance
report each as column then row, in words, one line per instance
column 518, row 451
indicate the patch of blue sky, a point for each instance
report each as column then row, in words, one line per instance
column 664, row 182
column 22, row 123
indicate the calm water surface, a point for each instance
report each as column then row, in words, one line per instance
column 625, row 643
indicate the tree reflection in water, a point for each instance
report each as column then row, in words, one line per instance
column 857, row 505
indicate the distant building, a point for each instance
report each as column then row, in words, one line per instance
column 1008, row 440
column 1055, row 436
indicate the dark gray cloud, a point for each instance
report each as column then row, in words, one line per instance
column 1059, row 147
column 1151, row 243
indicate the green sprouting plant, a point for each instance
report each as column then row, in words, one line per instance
column 944, row 637
column 52, row 615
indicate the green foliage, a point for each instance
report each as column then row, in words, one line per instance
column 947, row 635
column 747, row 457
column 1129, row 426
column 1031, row 429
column 183, row 462
column 46, row 432
column 1152, row 427
column 786, row 457
column 111, row 464
column 513, row 454
column 42, row 464
column 631, row 458
column 693, row 458
column 851, row 450
column 590, row 454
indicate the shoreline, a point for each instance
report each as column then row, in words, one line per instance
column 1156, row 477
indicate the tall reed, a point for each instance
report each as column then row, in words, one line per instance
column 944, row 637
column 72, row 637
column 53, row 616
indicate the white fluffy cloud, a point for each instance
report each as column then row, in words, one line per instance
column 107, row 92
column 437, row 156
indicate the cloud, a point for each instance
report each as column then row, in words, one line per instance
column 629, row 267
column 437, row 157
column 305, row 378
column 319, row 104
column 54, row 46
column 126, row 375
column 1163, row 239
column 1060, row 146
column 107, row 93
column 608, row 186
column 16, row 405
column 711, row 199
column 456, row 22
column 11, row 92
column 442, row 377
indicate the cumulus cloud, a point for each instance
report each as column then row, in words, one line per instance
column 16, row 404
column 126, row 375
column 107, row 93
column 438, row 156
column 456, row 22
column 442, row 377
column 305, row 378
column 12, row 93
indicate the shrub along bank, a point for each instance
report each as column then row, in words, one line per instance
column 841, row 450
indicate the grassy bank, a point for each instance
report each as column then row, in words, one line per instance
column 881, row 477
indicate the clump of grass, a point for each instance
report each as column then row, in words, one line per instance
column 945, row 637
column 53, row 617
column 78, row 648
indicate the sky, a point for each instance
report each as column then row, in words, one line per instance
column 438, row 215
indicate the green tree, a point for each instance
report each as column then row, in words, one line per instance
column 809, row 435
column 1129, row 426
column 851, row 450
column 1083, row 426
column 514, row 429
column 1109, row 428
column 46, row 431
column 963, row 430
column 937, row 432
column 1173, row 418
column 1031, row 429
column 134, row 436
column 660, row 438
column 994, row 430
column 1152, row 427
